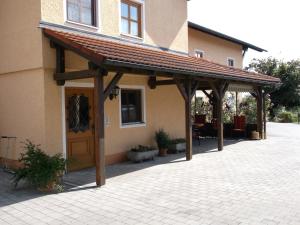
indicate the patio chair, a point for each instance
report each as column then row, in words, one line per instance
column 239, row 126
column 199, row 123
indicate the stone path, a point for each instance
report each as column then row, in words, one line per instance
column 250, row 182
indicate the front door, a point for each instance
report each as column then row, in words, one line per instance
column 80, row 127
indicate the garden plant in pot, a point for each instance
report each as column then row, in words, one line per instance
column 162, row 140
column 177, row 145
column 142, row 153
column 40, row 170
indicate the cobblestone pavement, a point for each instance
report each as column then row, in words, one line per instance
column 250, row 182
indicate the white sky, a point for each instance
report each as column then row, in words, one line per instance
column 273, row 25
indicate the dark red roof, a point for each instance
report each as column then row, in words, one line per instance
column 111, row 51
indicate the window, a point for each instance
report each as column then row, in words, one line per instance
column 82, row 11
column 131, row 18
column 78, row 113
column 230, row 62
column 199, row 53
column 131, row 106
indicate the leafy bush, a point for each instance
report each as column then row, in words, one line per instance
column 39, row 169
column 162, row 139
column 177, row 141
column 287, row 117
column 141, row 148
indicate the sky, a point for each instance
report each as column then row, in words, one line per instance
column 273, row 25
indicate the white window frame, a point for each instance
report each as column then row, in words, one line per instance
column 81, row 25
column 143, row 105
column 128, row 36
column 230, row 58
column 199, row 51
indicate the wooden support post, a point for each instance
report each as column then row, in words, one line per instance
column 219, row 91
column 99, row 129
column 265, row 115
column 60, row 63
column 259, row 113
column 188, row 120
column 187, row 91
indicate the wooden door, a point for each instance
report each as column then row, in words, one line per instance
column 80, row 127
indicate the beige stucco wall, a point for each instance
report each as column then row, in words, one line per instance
column 164, row 109
column 31, row 102
column 215, row 49
column 164, row 23
column 22, row 108
column 20, row 37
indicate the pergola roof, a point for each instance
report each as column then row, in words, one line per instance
column 104, row 51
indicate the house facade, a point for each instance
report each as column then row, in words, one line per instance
column 133, row 52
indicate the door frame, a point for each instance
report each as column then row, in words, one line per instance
column 63, row 109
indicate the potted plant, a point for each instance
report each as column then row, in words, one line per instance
column 141, row 153
column 177, row 145
column 162, row 140
column 42, row 171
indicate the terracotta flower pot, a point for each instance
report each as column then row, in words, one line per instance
column 163, row 152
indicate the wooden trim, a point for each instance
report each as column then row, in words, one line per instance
column 99, row 129
column 74, row 75
column 112, row 84
column 181, row 89
column 188, row 120
column 74, row 47
column 129, row 19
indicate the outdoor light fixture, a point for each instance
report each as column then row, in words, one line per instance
column 114, row 93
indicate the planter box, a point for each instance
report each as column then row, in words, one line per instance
column 141, row 156
column 175, row 148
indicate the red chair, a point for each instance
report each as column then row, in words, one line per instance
column 200, row 119
column 239, row 125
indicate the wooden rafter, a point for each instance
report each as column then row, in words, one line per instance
column 112, row 84
column 74, row 75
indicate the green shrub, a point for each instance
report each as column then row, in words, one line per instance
column 162, row 139
column 287, row 117
column 39, row 169
column 177, row 141
column 142, row 148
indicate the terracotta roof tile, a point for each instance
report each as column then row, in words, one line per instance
column 127, row 53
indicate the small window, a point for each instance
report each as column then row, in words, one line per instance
column 131, row 18
column 199, row 54
column 230, row 62
column 82, row 11
column 131, row 106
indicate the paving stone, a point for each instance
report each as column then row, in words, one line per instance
column 250, row 182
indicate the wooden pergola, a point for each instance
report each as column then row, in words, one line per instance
column 162, row 68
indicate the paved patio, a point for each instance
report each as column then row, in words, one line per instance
column 250, row 182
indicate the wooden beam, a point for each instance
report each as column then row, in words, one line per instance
column 59, row 76
column 181, row 89
column 265, row 115
column 60, row 63
column 215, row 89
column 188, row 120
column 99, row 129
column 152, row 82
column 259, row 112
column 195, row 88
column 112, row 85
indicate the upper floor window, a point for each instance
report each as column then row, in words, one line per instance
column 82, row 11
column 199, row 53
column 131, row 106
column 230, row 62
column 131, row 22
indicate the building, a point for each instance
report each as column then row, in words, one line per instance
column 92, row 78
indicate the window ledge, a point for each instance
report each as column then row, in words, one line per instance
column 81, row 26
column 132, row 125
column 131, row 37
